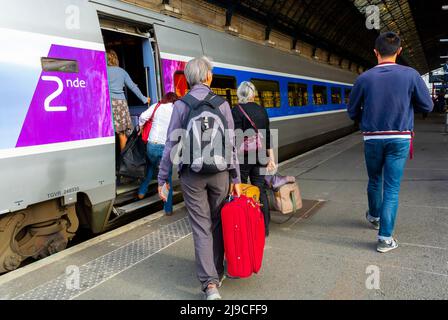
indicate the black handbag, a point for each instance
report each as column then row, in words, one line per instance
column 133, row 157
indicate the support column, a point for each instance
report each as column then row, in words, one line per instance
column 267, row 35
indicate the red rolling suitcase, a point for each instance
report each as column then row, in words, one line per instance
column 244, row 236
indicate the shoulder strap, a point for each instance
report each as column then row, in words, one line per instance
column 154, row 112
column 190, row 101
column 215, row 100
column 248, row 118
column 212, row 99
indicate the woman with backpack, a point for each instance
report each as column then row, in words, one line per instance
column 248, row 115
column 205, row 180
column 157, row 116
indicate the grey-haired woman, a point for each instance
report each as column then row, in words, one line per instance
column 246, row 115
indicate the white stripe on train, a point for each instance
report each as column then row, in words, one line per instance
column 176, row 57
column 22, row 46
column 306, row 115
column 55, row 147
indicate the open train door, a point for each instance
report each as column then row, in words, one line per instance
column 176, row 47
column 133, row 44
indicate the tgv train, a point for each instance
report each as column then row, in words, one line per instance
column 57, row 141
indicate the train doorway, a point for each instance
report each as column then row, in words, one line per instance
column 136, row 56
column 136, row 53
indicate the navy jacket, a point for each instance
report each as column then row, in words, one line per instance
column 384, row 98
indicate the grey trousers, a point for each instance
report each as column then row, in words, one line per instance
column 204, row 197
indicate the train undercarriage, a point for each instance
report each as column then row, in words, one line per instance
column 37, row 232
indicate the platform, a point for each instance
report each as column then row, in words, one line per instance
column 323, row 252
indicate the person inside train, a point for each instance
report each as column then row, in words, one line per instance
column 384, row 99
column 248, row 115
column 118, row 78
column 160, row 115
column 440, row 102
column 204, row 193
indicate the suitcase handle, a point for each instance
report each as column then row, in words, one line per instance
column 294, row 201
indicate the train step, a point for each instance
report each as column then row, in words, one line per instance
column 119, row 211
column 127, row 193
column 125, row 188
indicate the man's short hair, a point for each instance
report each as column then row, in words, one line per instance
column 388, row 44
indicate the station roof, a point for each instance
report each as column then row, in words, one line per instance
column 339, row 26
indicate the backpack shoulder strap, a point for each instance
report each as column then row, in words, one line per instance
column 190, row 101
column 215, row 100
column 211, row 99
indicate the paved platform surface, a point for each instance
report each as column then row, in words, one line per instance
column 323, row 252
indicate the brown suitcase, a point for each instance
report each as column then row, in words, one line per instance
column 287, row 199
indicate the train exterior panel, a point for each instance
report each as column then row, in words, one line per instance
column 56, row 124
column 293, row 123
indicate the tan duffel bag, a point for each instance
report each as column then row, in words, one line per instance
column 286, row 199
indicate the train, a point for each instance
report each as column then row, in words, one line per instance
column 58, row 145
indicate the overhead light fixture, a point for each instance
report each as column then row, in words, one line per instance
column 445, row 7
column 443, row 57
column 443, row 40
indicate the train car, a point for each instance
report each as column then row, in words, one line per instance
column 58, row 147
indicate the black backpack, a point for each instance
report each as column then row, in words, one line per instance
column 204, row 145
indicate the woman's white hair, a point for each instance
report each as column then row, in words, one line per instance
column 197, row 69
column 246, row 92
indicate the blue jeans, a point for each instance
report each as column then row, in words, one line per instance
column 155, row 153
column 388, row 156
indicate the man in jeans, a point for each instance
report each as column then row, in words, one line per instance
column 383, row 100
column 204, row 194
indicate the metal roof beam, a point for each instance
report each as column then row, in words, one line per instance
column 295, row 31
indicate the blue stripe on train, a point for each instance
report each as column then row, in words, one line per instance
column 285, row 109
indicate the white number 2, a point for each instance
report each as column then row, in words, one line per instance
column 54, row 95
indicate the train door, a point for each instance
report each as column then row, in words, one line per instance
column 134, row 46
column 176, row 47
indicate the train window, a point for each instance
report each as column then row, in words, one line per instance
column 268, row 93
column 319, row 95
column 225, row 86
column 347, row 95
column 59, row 65
column 297, row 94
column 180, row 84
column 336, row 95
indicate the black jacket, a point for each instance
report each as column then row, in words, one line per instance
column 258, row 115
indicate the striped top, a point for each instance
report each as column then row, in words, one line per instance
column 387, row 135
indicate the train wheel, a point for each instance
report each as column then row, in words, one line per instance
column 37, row 232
